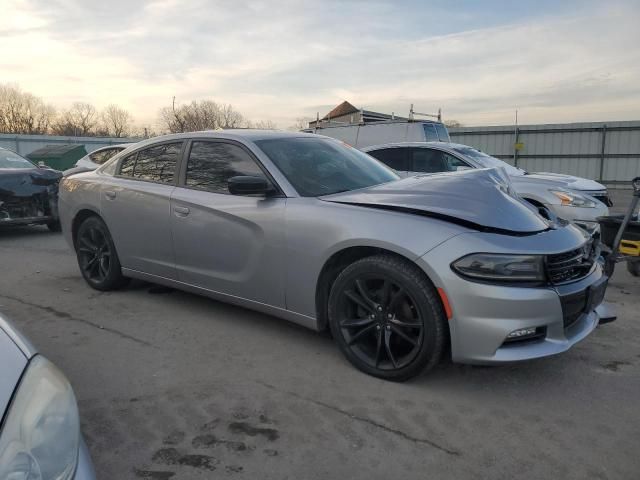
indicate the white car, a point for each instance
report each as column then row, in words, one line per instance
column 579, row 200
column 93, row 160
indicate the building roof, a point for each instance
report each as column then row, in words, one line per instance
column 345, row 108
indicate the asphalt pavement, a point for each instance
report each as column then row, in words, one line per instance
column 175, row 386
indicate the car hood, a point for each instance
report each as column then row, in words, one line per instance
column 563, row 181
column 26, row 182
column 482, row 199
column 15, row 352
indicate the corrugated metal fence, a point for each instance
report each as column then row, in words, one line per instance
column 608, row 152
column 25, row 144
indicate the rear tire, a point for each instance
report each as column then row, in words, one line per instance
column 97, row 256
column 387, row 319
column 634, row 268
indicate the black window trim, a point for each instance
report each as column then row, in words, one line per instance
column 179, row 162
column 182, row 176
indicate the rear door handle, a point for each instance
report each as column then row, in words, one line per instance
column 181, row 211
column 110, row 194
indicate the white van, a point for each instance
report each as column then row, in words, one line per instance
column 391, row 131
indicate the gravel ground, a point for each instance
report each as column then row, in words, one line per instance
column 175, row 386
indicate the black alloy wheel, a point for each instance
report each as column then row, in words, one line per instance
column 97, row 257
column 387, row 318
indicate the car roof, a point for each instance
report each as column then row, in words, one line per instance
column 438, row 145
column 231, row 134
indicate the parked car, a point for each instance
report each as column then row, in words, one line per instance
column 375, row 133
column 96, row 158
column 314, row 231
column 28, row 193
column 575, row 199
column 40, row 435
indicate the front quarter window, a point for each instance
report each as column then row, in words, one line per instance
column 320, row 166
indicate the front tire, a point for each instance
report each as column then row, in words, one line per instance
column 633, row 267
column 97, row 256
column 387, row 319
column 54, row 226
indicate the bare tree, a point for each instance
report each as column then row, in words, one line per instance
column 116, row 121
column 195, row 116
column 22, row 112
column 262, row 125
column 453, row 123
column 79, row 120
column 300, row 124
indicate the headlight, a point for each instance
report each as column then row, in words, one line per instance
column 41, row 434
column 573, row 199
column 499, row 267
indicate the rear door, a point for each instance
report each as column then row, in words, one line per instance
column 396, row 158
column 231, row 244
column 135, row 204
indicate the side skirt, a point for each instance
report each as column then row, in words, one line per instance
column 304, row 320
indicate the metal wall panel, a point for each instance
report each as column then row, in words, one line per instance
column 25, row 144
column 573, row 148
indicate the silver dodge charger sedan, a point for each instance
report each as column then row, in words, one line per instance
column 39, row 425
column 402, row 271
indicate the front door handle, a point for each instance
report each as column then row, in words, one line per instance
column 110, row 194
column 181, row 211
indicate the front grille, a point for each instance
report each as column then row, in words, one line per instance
column 604, row 198
column 22, row 207
column 572, row 265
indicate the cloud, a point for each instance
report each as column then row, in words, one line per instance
column 281, row 60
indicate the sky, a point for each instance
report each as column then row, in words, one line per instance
column 479, row 61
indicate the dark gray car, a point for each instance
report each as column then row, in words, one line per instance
column 39, row 429
column 311, row 230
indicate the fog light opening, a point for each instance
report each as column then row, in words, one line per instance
column 526, row 334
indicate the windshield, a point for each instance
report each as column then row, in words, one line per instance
column 8, row 159
column 319, row 166
column 488, row 161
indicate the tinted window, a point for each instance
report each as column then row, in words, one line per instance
column 395, row 158
column 212, row 164
column 157, row 163
column 430, row 132
column 317, row 166
column 428, row 160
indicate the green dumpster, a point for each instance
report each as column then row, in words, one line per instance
column 59, row 157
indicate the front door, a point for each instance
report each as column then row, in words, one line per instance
column 226, row 243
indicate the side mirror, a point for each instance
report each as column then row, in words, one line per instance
column 247, row 185
column 41, row 164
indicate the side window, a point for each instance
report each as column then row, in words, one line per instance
column 395, row 158
column 157, row 163
column 443, row 133
column 127, row 164
column 428, row 160
column 211, row 164
column 454, row 163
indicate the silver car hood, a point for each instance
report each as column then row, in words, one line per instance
column 15, row 352
column 560, row 180
column 482, row 199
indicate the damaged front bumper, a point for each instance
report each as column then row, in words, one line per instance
column 29, row 198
